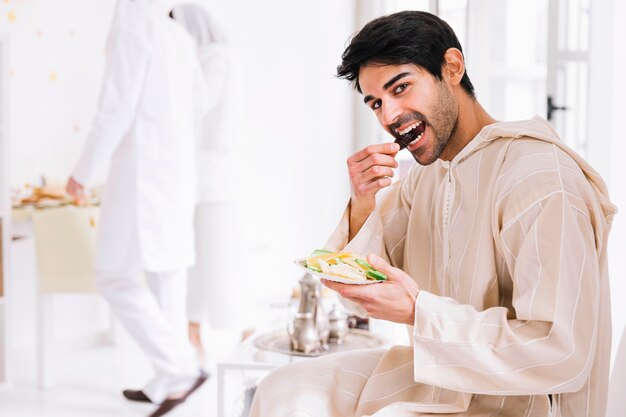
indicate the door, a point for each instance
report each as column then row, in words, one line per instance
column 568, row 71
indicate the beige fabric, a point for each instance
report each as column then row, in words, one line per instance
column 508, row 244
column 64, row 241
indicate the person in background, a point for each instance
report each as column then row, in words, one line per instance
column 216, row 280
column 494, row 246
column 143, row 134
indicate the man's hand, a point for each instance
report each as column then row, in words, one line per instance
column 75, row 190
column 392, row 300
column 370, row 170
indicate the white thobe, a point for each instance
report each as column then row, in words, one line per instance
column 143, row 133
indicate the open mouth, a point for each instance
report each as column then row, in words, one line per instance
column 410, row 134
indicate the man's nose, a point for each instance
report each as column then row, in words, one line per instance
column 391, row 112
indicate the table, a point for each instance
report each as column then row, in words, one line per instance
column 64, row 237
column 248, row 357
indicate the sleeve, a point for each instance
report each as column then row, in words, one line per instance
column 214, row 72
column 200, row 93
column 383, row 233
column 548, row 344
column 127, row 61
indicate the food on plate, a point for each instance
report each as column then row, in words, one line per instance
column 46, row 196
column 343, row 264
column 41, row 194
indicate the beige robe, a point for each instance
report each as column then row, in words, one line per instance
column 508, row 245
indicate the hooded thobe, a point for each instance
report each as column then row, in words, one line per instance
column 507, row 242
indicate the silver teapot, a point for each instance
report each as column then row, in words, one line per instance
column 310, row 304
column 303, row 335
column 337, row 326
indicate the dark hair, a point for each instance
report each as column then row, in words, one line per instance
column 409, row 37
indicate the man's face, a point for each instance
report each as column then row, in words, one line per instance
column 412, row 106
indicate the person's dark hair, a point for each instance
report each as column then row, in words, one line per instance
column 409, row 37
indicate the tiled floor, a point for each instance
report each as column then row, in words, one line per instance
column 89, row 384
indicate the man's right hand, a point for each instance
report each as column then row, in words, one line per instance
column 370, row 170
column 75, row 190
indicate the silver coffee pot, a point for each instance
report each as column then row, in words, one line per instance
column 311, row 318
column 303, row 335
column 337, row 326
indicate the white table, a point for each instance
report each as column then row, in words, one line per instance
column 247, row 357
column 64, row 238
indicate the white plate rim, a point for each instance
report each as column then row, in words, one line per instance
column 302, row 261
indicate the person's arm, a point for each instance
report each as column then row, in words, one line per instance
column 382, row 234
column 215, row 68
column 75, row 190
column 370, row 170
column 128, row 55
column 394, row 300
column 547, row 344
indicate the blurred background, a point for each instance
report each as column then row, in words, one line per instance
column 299, row 125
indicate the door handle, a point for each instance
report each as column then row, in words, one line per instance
column 553, row 107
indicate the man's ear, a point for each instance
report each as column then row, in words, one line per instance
column 454, row 66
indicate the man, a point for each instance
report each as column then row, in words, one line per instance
column 144, row 133
column 494, row 246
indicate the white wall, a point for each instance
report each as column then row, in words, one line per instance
column 57, row 57
column 617, row 169
column 56, row 61
column 607, row 88
column 298, row 124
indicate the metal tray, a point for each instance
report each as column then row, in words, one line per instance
column 355, row 339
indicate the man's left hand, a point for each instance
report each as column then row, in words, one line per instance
column 393, row 299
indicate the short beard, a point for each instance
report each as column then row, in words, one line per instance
column 443, row 122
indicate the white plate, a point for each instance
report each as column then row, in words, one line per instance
column 302, row 262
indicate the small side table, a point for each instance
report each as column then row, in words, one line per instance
column 248, row 357
column 64, row 241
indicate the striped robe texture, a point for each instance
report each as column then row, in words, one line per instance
column 508, row 245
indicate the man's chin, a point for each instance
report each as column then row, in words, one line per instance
column 424, row 158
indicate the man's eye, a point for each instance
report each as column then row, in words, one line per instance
column 376, row 104
column 400, row 88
